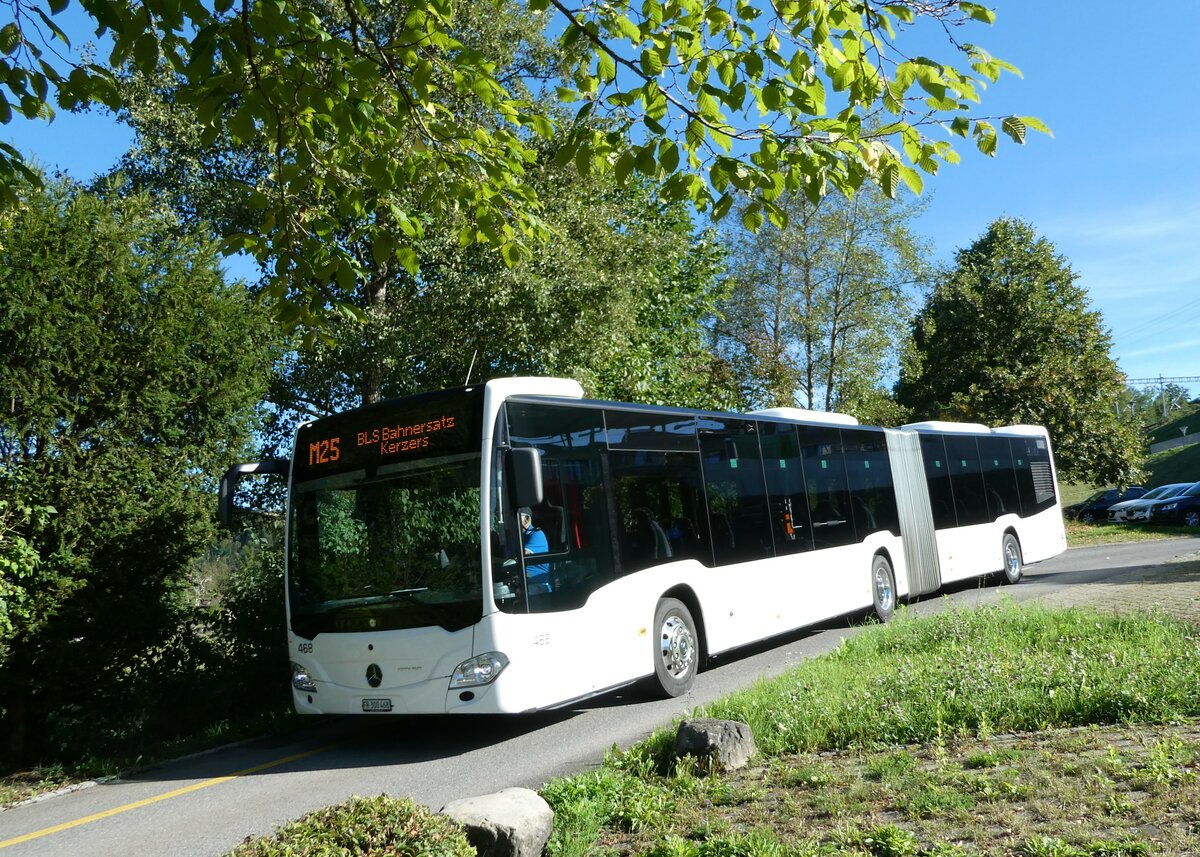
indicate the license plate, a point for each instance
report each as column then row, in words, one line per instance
column 377, row 705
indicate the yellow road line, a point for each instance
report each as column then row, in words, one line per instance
column 37, row 834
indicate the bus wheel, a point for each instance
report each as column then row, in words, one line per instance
column 676, row 652
column 883, row 588
column 1014, row 568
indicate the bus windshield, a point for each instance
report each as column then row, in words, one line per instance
column 400, row 550
column 385, row 517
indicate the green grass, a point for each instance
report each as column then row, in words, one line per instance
column 1181, row 464
column 1171, row 430
column 1082, row 535
column 902, row 742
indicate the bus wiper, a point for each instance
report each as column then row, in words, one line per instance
column 409, row 594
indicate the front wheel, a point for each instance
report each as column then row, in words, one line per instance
column 676, row 648
column 883, row 588
column 1192, row 518
column 1014, row 567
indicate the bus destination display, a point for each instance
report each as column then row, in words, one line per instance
column 387, row 433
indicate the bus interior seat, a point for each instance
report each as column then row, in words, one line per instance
column 647, row 537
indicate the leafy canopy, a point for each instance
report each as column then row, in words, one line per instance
column 1008, row 337
column 714, row 98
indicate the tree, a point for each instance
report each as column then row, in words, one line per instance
column 132, row 371
column 358, row 100
column 819, row 309
column 619, row 301
column 625, row 262
column 1008, row 337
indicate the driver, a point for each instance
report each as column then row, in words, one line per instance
column 534, row 542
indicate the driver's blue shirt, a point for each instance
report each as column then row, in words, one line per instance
column 534, row 541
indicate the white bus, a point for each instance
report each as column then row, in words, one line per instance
column 670, row 536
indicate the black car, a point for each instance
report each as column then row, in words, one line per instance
column 1096, row 506
column 1181, row 509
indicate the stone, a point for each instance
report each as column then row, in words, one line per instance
column 509, row 823
column 725, row 745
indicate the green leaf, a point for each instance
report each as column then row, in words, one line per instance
column 10, row 38
column 752, row 217
column 1035, row 124
column 624, row 166
column 628, row 29
column 383, row 245
column 651, row 63
column 722, row 207
column 668, row 155
column 773, row 95
column 1014, row 128
column 985, row 138
column 606, row 68
column 408, row 257
column 977, row 12
column 647, row 165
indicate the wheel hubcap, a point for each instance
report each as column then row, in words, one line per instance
column 883, row 588
column 1014, row 562
column 678, row 647
column 1192, row 519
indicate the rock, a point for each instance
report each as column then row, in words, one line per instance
column 726, row 744
column 509, row 823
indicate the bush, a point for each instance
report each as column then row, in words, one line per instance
column 379, row 826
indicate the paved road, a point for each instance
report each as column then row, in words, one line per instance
column 205, row 805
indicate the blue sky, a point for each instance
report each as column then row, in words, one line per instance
column 1117, row 189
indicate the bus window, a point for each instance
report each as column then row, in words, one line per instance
column 644, row 430
column 784, row 472
column 999, row 477
column 1035, row 477
column 660, row 509
column 872, row 494
column 573, row 514
column 737, row 493
column 827, row 489
column 970, row 502
column 937, row 475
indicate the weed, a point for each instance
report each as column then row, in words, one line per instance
column 991, row 758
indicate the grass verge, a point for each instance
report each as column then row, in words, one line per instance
column 1083, row 535
column 1004, row 730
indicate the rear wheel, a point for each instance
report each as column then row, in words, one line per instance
column 1088, row 517
column 1014, row 567
column 883, row 588
column 676, row 648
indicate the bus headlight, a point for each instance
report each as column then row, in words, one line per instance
column 479, row 670
column 301, row 680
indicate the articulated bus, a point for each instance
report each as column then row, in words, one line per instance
column 670, row 536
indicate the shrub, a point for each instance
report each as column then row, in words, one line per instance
column 380, row 826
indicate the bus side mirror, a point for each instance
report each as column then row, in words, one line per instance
column 229, row 484
column 525, row 471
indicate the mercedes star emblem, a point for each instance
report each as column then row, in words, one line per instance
column 374, row 675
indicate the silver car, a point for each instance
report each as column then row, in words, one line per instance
column 1131, row 511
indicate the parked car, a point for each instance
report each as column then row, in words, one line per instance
column 1096, row 506
column 1181, row 509
column 1139, row 509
